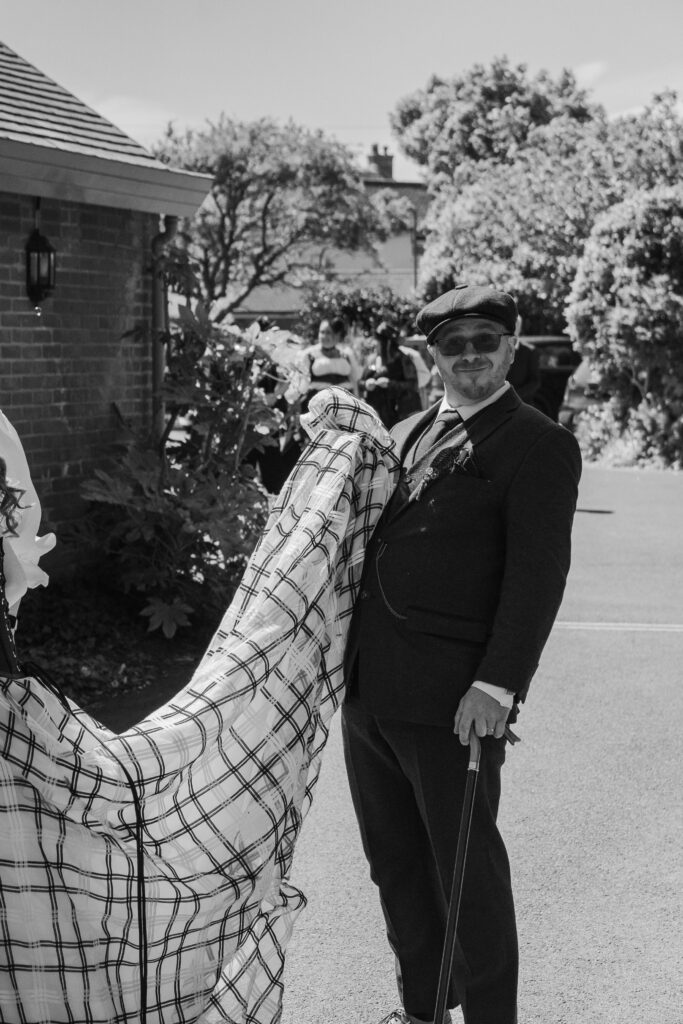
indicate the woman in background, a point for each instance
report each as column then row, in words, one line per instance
column 330, row 361
column 390, row 381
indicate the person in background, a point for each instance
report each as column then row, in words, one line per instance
column 390, row 381
column 524, row 373
column 462, row 579
column 330, row 361
column 422, row 370
column 276, row 461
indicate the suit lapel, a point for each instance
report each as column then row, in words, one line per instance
column 491, row 418
column 480, row 427
column 406, row 434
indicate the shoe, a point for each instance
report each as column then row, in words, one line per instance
column 401, row 1017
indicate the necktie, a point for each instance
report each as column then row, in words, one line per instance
column 444, row 422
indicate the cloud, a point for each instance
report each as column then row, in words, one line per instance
column 631, row 93
column 590, row 73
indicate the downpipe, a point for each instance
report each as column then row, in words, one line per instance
column 160, row 320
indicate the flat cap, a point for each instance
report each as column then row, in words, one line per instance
column 468, row 300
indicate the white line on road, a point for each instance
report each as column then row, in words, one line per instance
column 625, row 627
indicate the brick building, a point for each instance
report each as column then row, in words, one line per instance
column 107, row 206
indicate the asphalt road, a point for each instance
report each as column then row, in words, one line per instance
column 591, row 809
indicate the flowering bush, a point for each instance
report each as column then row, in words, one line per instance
column 625, row 314
column 616, row 436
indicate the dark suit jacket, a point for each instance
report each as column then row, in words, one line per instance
column 525, row 372
column 465, row 582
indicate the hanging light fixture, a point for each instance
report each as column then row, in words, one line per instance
column 41, row 264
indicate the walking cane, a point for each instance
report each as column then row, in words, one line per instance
column 458, row 875
column 459, row 872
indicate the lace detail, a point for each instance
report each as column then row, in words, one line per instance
column 9, row 662
column 22, row 552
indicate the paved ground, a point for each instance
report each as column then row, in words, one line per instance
column 591, row 805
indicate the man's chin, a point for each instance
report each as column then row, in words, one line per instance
column 476, row 394
column 474, row 390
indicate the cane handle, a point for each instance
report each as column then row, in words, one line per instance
column 475, row 752
column 510, row 736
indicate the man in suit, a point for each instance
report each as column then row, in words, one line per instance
column 525, row 370
column 462, row 580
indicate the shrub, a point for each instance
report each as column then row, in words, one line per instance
column 619, row 436
column 625, row 314
column 363, row 309
column 175, row 519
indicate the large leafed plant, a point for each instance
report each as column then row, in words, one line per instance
column 175, row 518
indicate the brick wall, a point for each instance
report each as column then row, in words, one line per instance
column 63, row 373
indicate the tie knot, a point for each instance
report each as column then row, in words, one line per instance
column 449, row 417
column 441, row 425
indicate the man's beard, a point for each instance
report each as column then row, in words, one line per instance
column 478, row 391
column 471, row 386
column 477, row 386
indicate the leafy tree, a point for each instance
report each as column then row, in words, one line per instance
column 625, row 313
column 283, row 199
column 485, row 114
column 647, row 147
column 523, row 224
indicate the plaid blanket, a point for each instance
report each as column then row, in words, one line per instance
column 222, row 778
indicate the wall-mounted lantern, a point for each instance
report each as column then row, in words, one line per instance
column 41, row 264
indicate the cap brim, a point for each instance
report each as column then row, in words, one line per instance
column 465, row 316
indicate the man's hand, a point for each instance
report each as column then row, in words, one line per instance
column 481, row 711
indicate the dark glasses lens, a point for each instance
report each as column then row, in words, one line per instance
column 487, row 341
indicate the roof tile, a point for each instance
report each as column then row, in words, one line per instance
column 35, row 109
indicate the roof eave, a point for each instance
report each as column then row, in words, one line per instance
column 99, row 180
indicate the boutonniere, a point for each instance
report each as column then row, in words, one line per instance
column 460, row 458
column 450, row 460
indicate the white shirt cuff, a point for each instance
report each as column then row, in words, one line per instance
column 499, row 693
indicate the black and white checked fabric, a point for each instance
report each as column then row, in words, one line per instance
column 225, row 775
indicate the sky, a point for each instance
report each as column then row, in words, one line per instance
column 341, row 66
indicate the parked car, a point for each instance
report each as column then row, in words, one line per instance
column 558, row 361
column 583, row 391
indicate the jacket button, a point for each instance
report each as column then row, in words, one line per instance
column 364, row 594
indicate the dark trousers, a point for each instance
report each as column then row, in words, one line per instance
column 407, row 783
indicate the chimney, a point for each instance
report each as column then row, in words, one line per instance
column 381, row 164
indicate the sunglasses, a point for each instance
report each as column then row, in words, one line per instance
column 486, row 341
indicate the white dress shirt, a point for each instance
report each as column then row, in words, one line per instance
column 467, row 411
